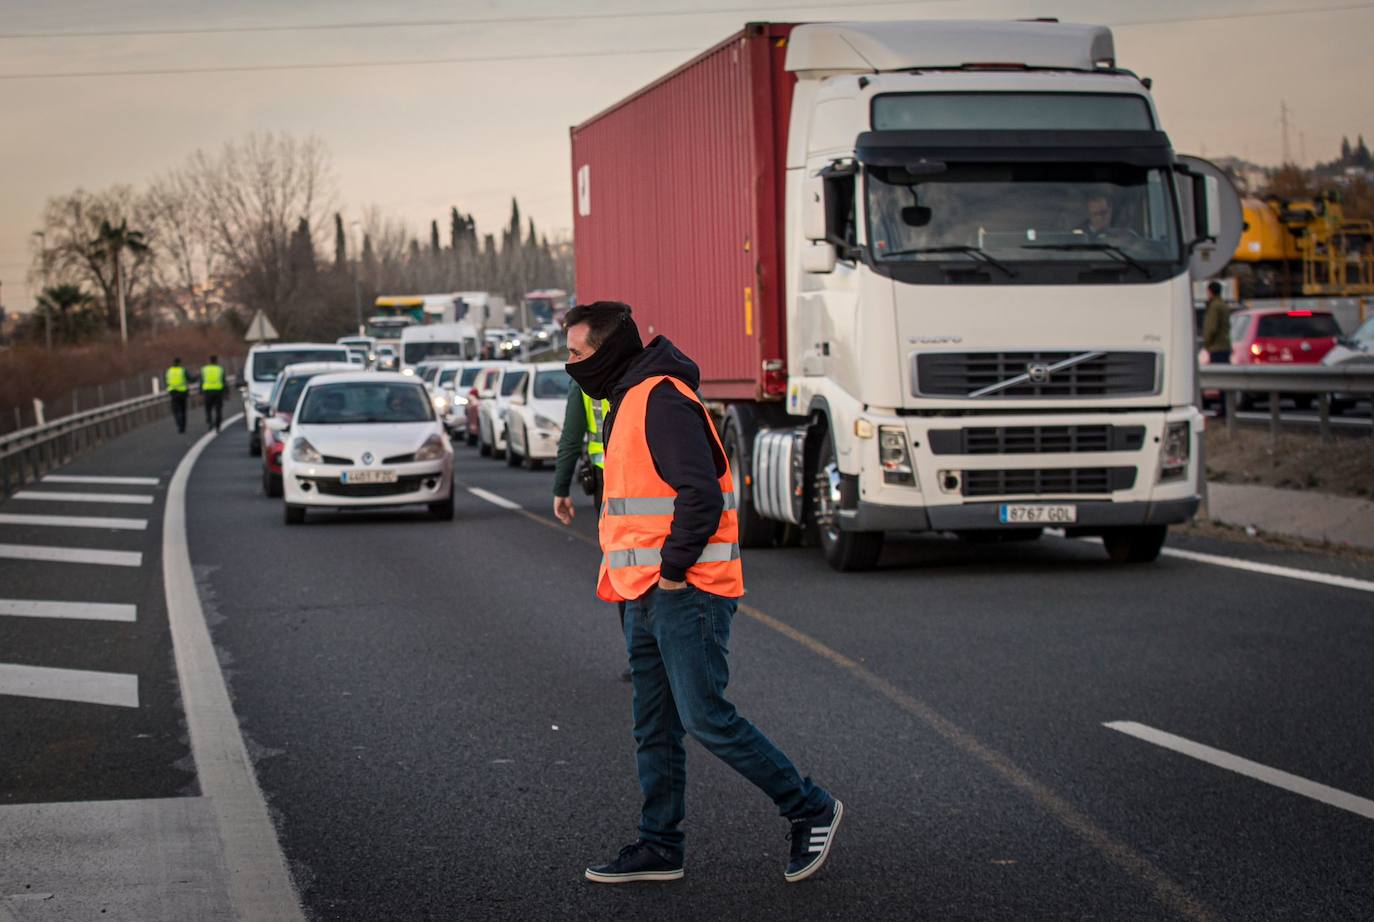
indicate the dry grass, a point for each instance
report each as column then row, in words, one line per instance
column 1300, row 461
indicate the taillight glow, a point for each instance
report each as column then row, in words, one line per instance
column 1256, row 349
column 1299, row 313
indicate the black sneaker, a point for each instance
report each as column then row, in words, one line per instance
column 638, row 861
column 811, row 839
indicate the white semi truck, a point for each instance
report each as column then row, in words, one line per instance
column 937, row 275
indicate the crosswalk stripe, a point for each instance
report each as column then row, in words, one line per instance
column 73, row 521
column 82, row 478
column 72, row 555
column 112, row 688
column 132, row 499
column 82, row 611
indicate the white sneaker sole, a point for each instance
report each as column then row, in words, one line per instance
column 631, row 878
column 815, row 866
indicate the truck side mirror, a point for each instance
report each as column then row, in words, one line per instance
column 1213, row 219
column 818, row 258
column 813, row 208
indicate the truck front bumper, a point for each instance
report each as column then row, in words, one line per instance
column 984, row 516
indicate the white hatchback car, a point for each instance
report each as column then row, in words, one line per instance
column 495, row 405
column 535, row 418
column 361, row 440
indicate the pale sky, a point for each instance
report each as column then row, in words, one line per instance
column 416, row 139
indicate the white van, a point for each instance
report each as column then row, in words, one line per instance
column 437, row 341
column 260, row 372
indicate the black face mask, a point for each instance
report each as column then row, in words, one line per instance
column 598, row 374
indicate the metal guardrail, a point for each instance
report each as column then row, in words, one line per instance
column 1273, row 381
column 28, row 454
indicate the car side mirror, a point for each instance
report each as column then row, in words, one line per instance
column 277, row 424
column 262, row 408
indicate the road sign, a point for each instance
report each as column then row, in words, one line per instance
column 260, row 330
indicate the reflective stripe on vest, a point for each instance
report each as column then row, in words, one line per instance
column 212, row 378
column 176, row 379
column 637, row 511
column 596, row 411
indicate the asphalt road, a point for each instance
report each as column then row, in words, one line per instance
column 436, row 719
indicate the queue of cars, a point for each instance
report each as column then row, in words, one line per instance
column 333, row 435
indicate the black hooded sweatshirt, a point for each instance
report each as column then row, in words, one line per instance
column 685, row 456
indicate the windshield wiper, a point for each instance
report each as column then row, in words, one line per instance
column 1108, row 248
column 976, row 252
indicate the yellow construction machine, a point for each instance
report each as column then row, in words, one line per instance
column 1303, row 247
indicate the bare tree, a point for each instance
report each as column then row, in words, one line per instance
column 189, row 268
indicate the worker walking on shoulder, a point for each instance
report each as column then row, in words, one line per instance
column 670, row 552
column 1216, row 327
column 212, row 388
column 178, row 386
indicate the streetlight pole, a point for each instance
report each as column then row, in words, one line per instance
column 357, row 283
column 43, row 262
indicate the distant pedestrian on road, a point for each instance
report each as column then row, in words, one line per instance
column 669, row 539
column 212, row 388
column 1216, row 327
column 177, row 387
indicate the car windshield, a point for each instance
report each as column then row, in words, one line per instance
column 447, row 375
column 552, row 384
column 285, row 401
column 469, row 376
column 1036, row 213
column 366, row 402
column 1297, row 326
column 1365, row 334
column 267, row 365
column 430, row 374
column 416, row 353
column 511, row 381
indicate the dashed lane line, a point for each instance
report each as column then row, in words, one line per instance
column 76, row 611
column 74, row 521
column 259, row 884
column 83, row 478
column 1165, row 889
column 72, row 555
column 54, row 496
column 1280, row 779
column 78, row 685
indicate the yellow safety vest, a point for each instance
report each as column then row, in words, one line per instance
column 212, row 378
column 176, row 380
column 596, row 413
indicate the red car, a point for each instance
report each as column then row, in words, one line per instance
column 285, row 392
column 1279, row 336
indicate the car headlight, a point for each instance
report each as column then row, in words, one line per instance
column 543, row 422
column 440, row 402
column 304, row 452
column 459, row 400
column 431, row 450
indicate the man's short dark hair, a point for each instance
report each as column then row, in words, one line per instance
column 214, row 359
column 601, row 317
column 1214, row 288
column 177, row 360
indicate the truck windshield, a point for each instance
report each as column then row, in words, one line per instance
column 1048, row 222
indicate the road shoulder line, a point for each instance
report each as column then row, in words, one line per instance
column 260, row 886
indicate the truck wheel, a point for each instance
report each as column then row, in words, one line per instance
column 754, row 529
column 846, row 551
column 1140, row 544
column 293, row 515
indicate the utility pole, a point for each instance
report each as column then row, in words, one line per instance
column 119, row 299
column 43, row 264
column 1283, row 124
column 357, row 282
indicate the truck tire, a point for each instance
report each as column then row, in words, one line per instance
column 1139, row 544
column 754, row 529
column 846, row 551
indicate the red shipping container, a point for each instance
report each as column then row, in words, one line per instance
column 678, row 208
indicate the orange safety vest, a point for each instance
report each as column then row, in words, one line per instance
column 637, row 512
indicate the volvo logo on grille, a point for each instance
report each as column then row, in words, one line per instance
column 1038, row 372
column 367, row 457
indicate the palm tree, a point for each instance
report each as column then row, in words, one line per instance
column 113, row 241
column 66, row 307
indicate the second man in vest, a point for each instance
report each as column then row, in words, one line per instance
column 669, row 538
column 178, row 387
column 212, row 388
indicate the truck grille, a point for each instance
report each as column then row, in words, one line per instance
column 1047, row 481
column 1030, row 440
column 408, row 484
column 1106, row 374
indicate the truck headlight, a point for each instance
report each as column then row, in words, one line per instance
column 304, row 452
column 431, row 450
column 894, row 457
column 1174, row 452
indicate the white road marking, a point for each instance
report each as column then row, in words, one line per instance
column 81, row 611
column 1253, row 566
column 82, row 478
column 131, row 499
column 73, row 521
column 72, row 555
column 79, row 685
column 493, row 498
column 260, row 885
column 1280, row 779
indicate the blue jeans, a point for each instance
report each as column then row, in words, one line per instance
column 679, row 646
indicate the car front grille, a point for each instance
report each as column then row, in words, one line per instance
column 1029, row 440
column 1047, row 481
column 408, row 484
column 335, row 459
column 1105, row 374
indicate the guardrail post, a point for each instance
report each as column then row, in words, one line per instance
column 1275, row 418
column 1324, row 417
column 38, row 412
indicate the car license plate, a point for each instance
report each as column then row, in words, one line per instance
column 1016, row 514
column 360, row 476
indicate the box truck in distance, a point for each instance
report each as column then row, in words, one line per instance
column 937, row 276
